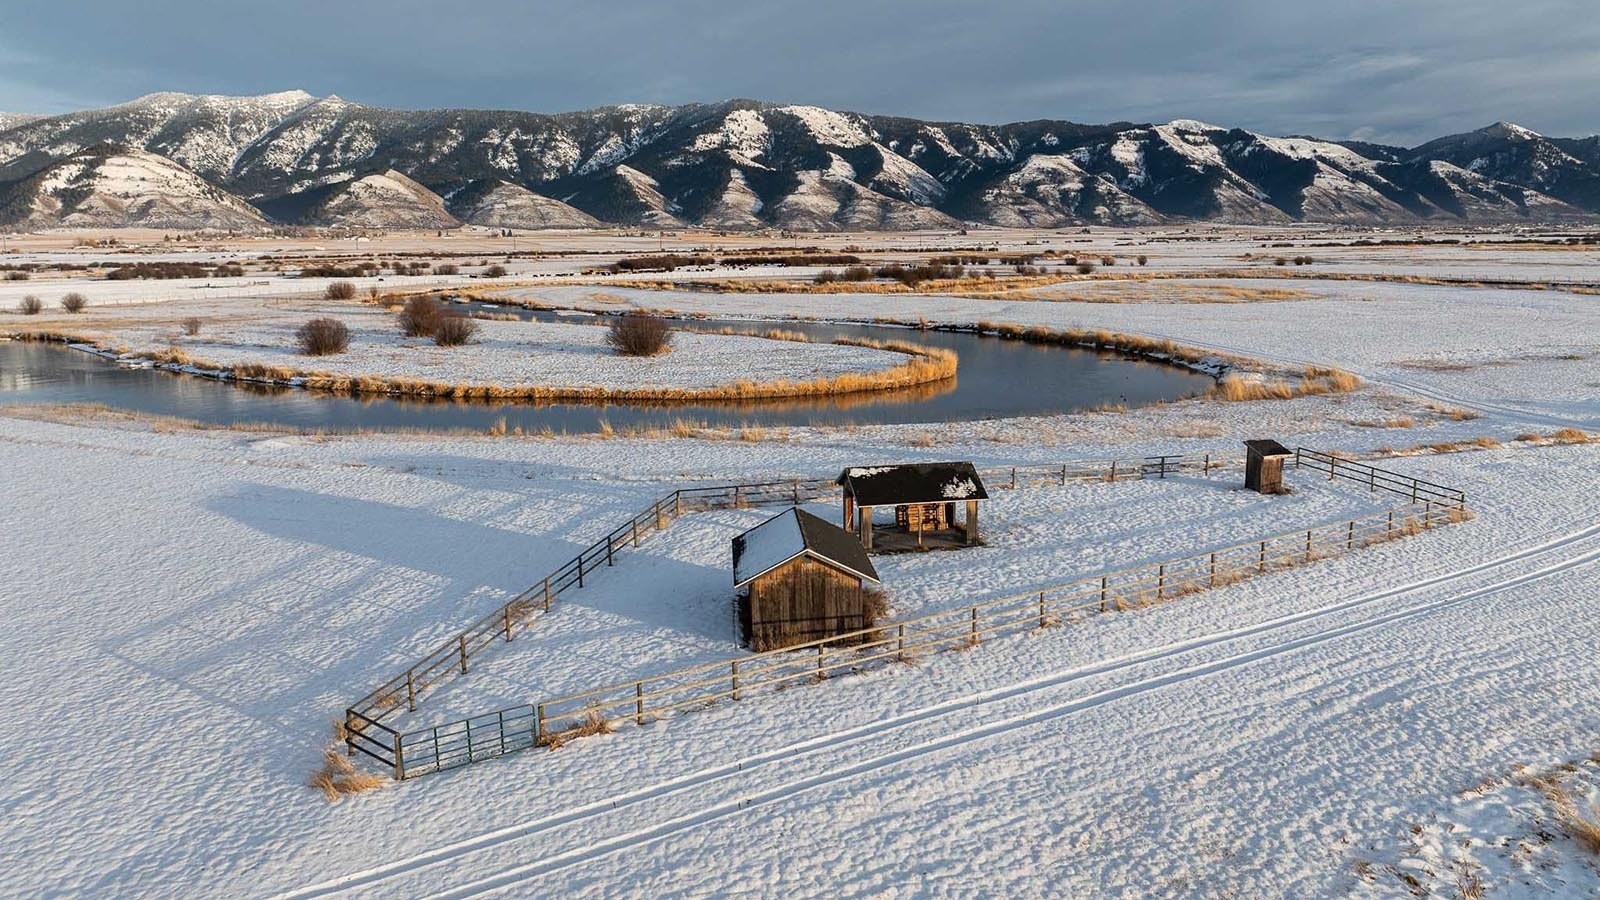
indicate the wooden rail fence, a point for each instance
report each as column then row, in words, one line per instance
column 411, row 753
column 453, row 657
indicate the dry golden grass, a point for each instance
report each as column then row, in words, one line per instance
column 1454, row 413
column 1582, row 825
column 338, row 778
column 1560, row 436
column 593, row 723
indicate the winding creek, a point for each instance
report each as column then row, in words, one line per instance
column 998, row 378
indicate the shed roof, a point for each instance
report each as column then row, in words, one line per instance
column 896, row 485
column 1268, row 448
column 794, row 533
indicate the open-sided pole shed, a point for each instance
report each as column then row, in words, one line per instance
column 924, row 497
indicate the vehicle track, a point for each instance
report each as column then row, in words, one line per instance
column 1576, row 542
column 986, row 732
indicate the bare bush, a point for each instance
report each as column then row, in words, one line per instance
column 420, row 316
column 1085, row 268
column 447, row 269
column 74, row 302
column 454, row 330
column 494, row 272
column 30, row 306
column 323, row 337
column 1143, row 260
column 18, row 275
column 191, row 326
column 639, row 334
column 340, row 290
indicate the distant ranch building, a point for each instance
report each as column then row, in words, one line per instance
column 800, row 579
column 925, row 497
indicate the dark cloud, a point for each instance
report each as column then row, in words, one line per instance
column 1390, row 70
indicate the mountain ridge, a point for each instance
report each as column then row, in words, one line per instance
column 747, row 164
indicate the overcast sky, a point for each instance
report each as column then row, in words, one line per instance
column 1399, row 71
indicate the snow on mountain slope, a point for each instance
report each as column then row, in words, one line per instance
column 500, row 204
column 388, row 200
column 115, row 188
column 611, row 162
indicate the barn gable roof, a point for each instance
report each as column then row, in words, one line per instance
column 913, row 483
column 795, row 533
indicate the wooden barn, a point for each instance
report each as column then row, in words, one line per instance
column 925, row 498
column 1263, row 466
column 801, row 578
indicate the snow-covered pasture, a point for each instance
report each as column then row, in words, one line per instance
column 670, row 603
column 1254, row 738
column 505, row 353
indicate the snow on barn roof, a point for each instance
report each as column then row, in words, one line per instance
column 795, row 533
column 913, row 483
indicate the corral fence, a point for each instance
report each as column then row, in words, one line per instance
column 1377, row 479
column 363, row 719
column 639, row 701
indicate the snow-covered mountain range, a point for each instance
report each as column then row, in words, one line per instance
column 178, row 160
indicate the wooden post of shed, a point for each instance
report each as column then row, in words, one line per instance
column 865, row 514
column 972, row 522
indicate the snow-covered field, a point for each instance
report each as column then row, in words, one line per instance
column 189, row 609
column 506, row 353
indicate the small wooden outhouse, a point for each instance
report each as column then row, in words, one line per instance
column 1263, row 466
column 800, row 578
column 924, row 497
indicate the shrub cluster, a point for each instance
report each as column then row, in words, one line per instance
column 359, row 270
column 340, row 290
column 171, row 270
column 30, row 306
column 323, row 337
column 419, row 316
column 453, row 330
column 639, row 334
column 447, row 269
column 665, row 262
column 74, row 302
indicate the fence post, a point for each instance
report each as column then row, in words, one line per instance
column 579, row 561
column 349, row 736
column 1308, row 545
column 538, row 724
column 547, row 593
column 900, row 650
column 638, row 702
column 1161, row 581
column 974, row 625
column 609, row 544
column 635, row 525
column 462, row 643
column 1213, row 570
column 677, row 504
column 411, row 692
column 507, row 608
column 821, row 649
column 1041, row 609
column 796, row 495
column 1263, row 556
column 1103, row 580
column 1113, row 470
column 1206, row 468
column 736, row 679
column 1427, row 514
column 1063, row 474
column 399, row 758
column 1350, row 540
column 1013, row 478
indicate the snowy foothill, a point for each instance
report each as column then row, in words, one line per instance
column 189, row 609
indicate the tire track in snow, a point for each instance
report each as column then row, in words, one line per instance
column 876, row 732
column 983, row 733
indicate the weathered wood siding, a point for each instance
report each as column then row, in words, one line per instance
column 802, row 601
